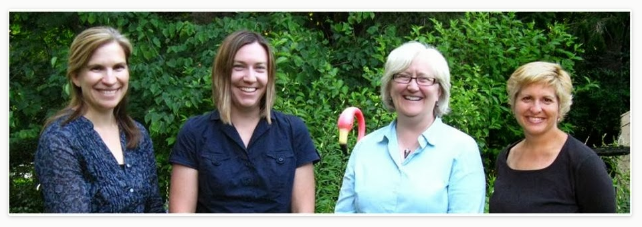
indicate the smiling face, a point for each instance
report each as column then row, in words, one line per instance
column 105, row 78
column 536, row 109
column 411, row 99
column 249, row 77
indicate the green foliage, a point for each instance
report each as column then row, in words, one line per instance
column 621, row 181
column 325, row 63
column 606, row 38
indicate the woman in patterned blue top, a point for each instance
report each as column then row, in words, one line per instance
column 92, row 157
column 243, row 157
column 416, row 164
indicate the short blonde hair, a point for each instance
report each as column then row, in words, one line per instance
column 546, row 73
column 400, row 59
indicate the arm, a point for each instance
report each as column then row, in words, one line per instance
column 345, row 203
column 60, row 174
column 595, row 191
column 303, row 191
column 467, row 186
column 183, row 190
column 183, row 187
column 303, row 188
column 154, row 202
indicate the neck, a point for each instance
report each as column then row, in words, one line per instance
column 414, row 125
column 408, row 131
column 536, row 142
column 242, row 117
column 101, row 119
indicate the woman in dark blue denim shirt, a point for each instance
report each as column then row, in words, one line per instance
column 243, row 157
column 92, row 157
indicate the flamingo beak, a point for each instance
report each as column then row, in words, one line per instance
column 343, row 135
column 343, row 139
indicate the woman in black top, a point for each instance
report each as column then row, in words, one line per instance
column 548, row 171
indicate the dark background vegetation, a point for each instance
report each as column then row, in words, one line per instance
column 326, row 61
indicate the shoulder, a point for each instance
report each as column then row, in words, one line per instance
column 58, row 136
column 141, row 127
column 374, row 138
column 199, row 122
column 202, row 118
column 287, row 119
column 280, row 116
column 57, row 129
column 54, row 131
column 578, row 151
column 377, row 134
column 455, row 134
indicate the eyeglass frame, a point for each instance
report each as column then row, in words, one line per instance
column 431, row 80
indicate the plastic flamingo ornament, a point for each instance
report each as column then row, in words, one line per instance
column 345, row 123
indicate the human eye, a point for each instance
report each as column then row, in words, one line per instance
column 95, row 68
column 402, row 77
column 238, row 67
column 425, row 80
column 120, row 67
column 261, row 68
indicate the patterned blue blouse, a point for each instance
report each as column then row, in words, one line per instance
column 78, row 173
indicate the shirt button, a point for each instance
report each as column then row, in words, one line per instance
column 128, row 165
column 131, row 190
column 280, row 160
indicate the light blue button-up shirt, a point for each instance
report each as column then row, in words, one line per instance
column 444, row 175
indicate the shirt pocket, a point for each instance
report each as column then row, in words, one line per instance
column 281, row 165
column 216, row 173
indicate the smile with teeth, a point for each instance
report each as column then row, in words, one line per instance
column 412, row 98
column 248, row 89
column 108, row 91
column 535, row 119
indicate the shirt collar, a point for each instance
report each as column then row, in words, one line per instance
column 430, row 136
column 216, row 116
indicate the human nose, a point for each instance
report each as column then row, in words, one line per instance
column 411, row 85
column 536, row 107
column 250, row 76
column 109, row 77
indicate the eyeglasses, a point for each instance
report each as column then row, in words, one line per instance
column 421, row 81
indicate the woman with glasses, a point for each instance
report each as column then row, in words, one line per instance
column 416, row 164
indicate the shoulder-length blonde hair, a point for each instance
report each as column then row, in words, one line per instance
column 222, row 73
